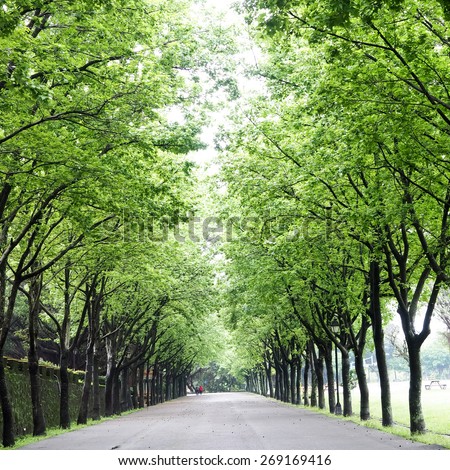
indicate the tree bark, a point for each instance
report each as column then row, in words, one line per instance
column 313, row 374
column 278, row 376
column 330, row 378
column 268, row 369
column 84, row 405
column 7, row 412
column 64, row 413
column 378, row 338
column 286, row 387
column 298, row 380
column 94, row 302
column 111, row 368
column 346, row 392
column 148, row 384
column 6, row 310
column 292, row 382
column 318, row 366
column 67, row 350
column 141, row 371
column 124, row 390
column 153, row 386
column 306, row 382
column 96, row 412
column 134, row 388
column 161, row 385
column 116, row 384
column 417, row 421
column 364, row 411
column 39, row 427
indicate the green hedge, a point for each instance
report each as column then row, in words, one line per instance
column 19, row 391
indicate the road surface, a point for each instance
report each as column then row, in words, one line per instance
column 226, row 421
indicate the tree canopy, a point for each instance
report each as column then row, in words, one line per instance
column 325, row 213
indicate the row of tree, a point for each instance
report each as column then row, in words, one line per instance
column 100, row 101
column 337, row 175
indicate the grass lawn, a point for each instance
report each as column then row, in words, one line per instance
column 435, row 404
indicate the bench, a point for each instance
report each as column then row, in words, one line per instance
column 435, row 383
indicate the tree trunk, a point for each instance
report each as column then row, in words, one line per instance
column 330, row 379
column 278, row 377
column 84, row 405
column 181, row 382
column 298, row 380
column 96, row 412
column 116, row 392
column 313, row 386
column 278, row 386
column 147, row 384
column 110, row 375
column 378, row 338
column 417, row 422
column 256, row 383
column 39, row 427
column 318, row 366
column 269, row 379
column 364, row 411
column 292, row 382
column 263, row 383
column 306, row 382
column 5, row 321
column 153, row 386
column 161, row 385
column 141, row 370
column 347, row 395
column 7, row 412
column 94, row 304
column 134, row 388
column 174, row 386
column 124, row 390
column 64, row 345
column 286, row 387
column 313, row 375
column 64, row 413
column 182, row 389
column 174, row 392
column 168, row 390
column 249, row 386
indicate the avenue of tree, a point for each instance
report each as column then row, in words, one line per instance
column 336, row 176
column 100, row 102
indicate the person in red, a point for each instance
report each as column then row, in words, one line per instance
column 200, row 389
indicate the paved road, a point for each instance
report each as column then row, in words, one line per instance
column 226, row 421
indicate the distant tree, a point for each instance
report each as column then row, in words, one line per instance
column 397, row 343
column 443, row 312
column 436, row 360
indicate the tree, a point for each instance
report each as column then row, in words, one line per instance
column 368, row 71
column 87, row 133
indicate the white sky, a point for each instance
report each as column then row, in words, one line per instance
column 248, row 56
